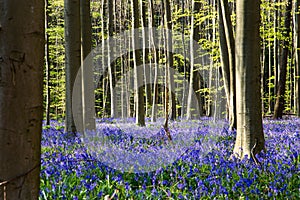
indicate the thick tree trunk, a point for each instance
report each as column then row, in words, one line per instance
column 138, row 70
column 279, row 105
column 250, row 137
column 72, row 60
column 22, row 40
column 88, row 96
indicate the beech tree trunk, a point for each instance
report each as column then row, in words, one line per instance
column 183, row 102
column 103, row 59
column 110, row 26
column 279, row 105
column 171, row 84
column 147, row 69
column 72, row 60
column 250, row 137
column 297, row 58
column 227, row 48
column 47, row 66
column 22, row 42
column 88, row 96
column 192, row 61
column 155, row 59
column 138, row 70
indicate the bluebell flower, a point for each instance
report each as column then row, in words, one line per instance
column 100, row 194
column 180, row 196
column 180, row 186
column 165, row 182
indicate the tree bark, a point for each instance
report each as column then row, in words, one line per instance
column 270, row 89
column 250, row 137
column 72, row 60
column 155, row 59
column 227, row 47
column 88, row 96
column 171, row 84
column 297, row 58
column 22, row 41
column 103, row 59
column 47, row 65
column 192, row 62
column 183, row 107
column 224, row 55
column 276, row 50
column 280, row 101
column 147, row 69
column 138, row 70
column 110, row 26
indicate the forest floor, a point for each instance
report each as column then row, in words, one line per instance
column 122, row 161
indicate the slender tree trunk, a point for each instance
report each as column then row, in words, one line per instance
column 56, row 77
column 103, row 52
column 110, row 26
column 131, row 112
column 270, row 91
column 211, row 36
column 197, row 78
column 123, row 61
column 224, row 55
column 138, row 71
column 297, row 58
column 277, row 48
column 73, row 58
column 184, row 65
column 168, row 57
column 171, row 84
column 47, row 64
column 250, row 137
column 280, row 101
column 192, row 62
column 22, row 42
column 166, row 123
column 147, row 71
column 263, row 60
column 263, row 63
column 154, row 52
column 291, row 82
column 88, row 96
column 212, row 63
column 229, row 59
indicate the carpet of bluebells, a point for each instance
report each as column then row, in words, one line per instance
column 202, row 171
